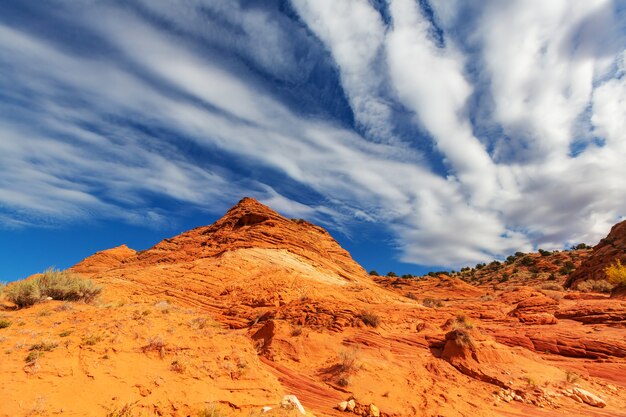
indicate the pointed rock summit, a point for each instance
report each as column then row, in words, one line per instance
column 252, row 225
column 251, row 257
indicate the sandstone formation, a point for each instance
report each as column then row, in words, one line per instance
column 606, row 252
column 257, row 313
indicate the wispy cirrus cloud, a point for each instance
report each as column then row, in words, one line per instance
column 468, row 131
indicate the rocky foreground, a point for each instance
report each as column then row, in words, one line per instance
column 237, row 317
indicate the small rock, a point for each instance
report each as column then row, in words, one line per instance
column 266, row 409
column 351, row 405
column 342, row 406
column 374, row 411
column 290, row 402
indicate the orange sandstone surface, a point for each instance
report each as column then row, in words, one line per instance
column 236, row 315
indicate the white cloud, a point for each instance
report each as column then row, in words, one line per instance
column 550, row 92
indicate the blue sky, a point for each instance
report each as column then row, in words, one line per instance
column 423, row 134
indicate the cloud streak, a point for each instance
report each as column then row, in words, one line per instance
column 464, row 147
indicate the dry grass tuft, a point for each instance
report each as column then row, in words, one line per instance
column 58, row 285
column 369, row 318
column 155, row 344
column 432, row 303
column 211, row 411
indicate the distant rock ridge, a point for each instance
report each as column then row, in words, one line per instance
column 607, row 251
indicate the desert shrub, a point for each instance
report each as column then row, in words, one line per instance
column 2, row 285
column 544, row 252
column 32, row 357
column 296, row 331
column 211, row 411
column 23, row 293
column 347, row 361
column 462, row 337
column 374, row 273
column 44, row 346
column 505, row 278
column 67, row 286
column 462, row 322
column 4, row 323
column 91, row 340
column 178, row 366
column 527, row 261
column 392, row 274
column 432, row 302
column 581, row 246
column 343, row 381
column 411, row 296
column 155, row 344
column 572, row 377
column 551, row 286
column 593, row 285
column 616, row 273
column 58, row 285
column 370, row 318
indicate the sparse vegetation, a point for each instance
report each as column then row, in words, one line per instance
column 65, row 333
column 462, row 337
column 347, row 361
column 91, row 340
column 4, row 323
column 462, row 322
column 572, row 377
column 58, row 285
column 527, row 261
column 178, row 366
column 211, row 411
column 391, row 274
column 616, row 273
column 32, row 357
column 567, row 268
column 44, row 346
column 373, row 272
column 369, row 318
column 593, row 285
column 544, row 252
column 296, row 330
column 124, row 411
column 155, row 344
column 551, row 286
column 432, row 302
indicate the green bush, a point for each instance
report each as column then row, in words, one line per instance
column 58, row 285
column 375, row 273
column 527, row 261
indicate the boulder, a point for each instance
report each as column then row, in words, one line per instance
column 291, row 402
column 584, row 396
